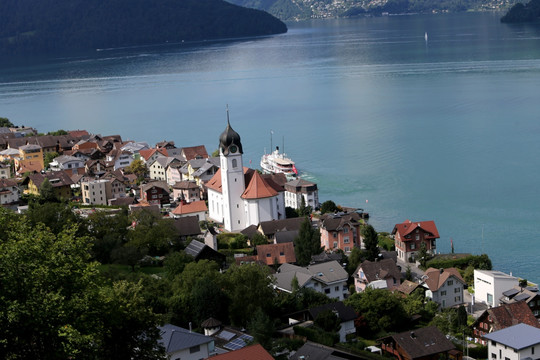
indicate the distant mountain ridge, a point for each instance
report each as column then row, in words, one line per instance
column 529, row 12
column 29, row 26
column 306, row 9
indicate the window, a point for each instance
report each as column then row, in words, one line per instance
column 234, row 163
column 335, row 244
column 413, row 246
column 327, row 291
column 345, row 230
column 347, row 249
column 335, row 235
column 490, row 299
column 457, row 298
column 443, row 293
column 493, row 355
column 532, row 350
column 417, row 237
column 194, row 349
column 337, row 289
column 456, row 290
column 346, row 240
column 268, row 255
column 450, row 282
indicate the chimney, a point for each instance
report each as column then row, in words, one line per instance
column 190, row 327
column 441, row 270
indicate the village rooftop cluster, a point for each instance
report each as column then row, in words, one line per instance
column 102, row 173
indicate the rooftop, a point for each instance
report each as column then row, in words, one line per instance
column 518, row 337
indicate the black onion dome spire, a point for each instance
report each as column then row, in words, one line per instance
column 228, row 138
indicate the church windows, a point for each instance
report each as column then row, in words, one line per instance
column 234, row 164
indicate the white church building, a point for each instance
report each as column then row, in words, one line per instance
column 239, row 197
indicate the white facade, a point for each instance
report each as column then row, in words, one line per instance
column 5, row 172
column 95, row 192
column 517, row 342
column 9, row 192
column 157, row 171
column 65, row 162
column 490, row 285
column 233, row 186
column 449, row 294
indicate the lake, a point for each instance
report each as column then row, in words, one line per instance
column 445, row 129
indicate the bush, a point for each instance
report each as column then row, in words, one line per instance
column 317, row 335
column 480, row 262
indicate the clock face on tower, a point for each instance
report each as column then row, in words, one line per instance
column 233, row 149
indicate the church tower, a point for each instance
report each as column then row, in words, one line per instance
column 232, row 178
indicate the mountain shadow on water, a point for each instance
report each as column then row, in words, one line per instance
column 520, row 13
column 49, row 26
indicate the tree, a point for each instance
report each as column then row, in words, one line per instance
column 47, row 193
column 262, row 328
column 209, row 300
column 152, row 233
column 423, row 255
column 4, row 122
column 128, row 255
column 304, row 210
column 109, row 232
column 328, row 321
column 370, row 242
column 355, row 258
column 175, row 263
column 138, row 168
column 307, row 243
column 259, row 239
column 49, row 157
column 290, row 212
column 328, row 207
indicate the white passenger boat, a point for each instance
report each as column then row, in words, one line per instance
column 276, row 163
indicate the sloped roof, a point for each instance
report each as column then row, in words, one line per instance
column 190, row 208
column 344, row 312
column 56, row 178
column 272, row 226
column 250, row 231
column 185, row 185
column 147, row 154
column 334, row 222
column 407, row 287
column 507, row 315
column 272, row 253
column 437, row 277
column 252, row 352
column 215, row 182
column 191, row 152
column 258, row 188
column 517, row 337
column 327, row 272
column 422, row 342
column 379, row 270
column 187, row 225
column 407, row 227
column 160, row 184
column 175, row 338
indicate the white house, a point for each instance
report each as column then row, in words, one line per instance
column 237, row 196
column 328, row 278
column 95, row 192
column 66, row 162
column 5, row 171
column 489, row 285
column 297, row 189
column 9, row 191
column 518, row 342
column 444, row 286
column 180, row 343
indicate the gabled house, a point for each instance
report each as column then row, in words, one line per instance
column 409, row 237
column 119, row 159
column 71, row 164
column 272, row 227
column 346, row 315
column 489, row 285
column 188, row 191
column 328, row 278
column 272, row 254
column 30, row 156
column 173, row 173
column 501, row 317
column 341, row 231
column 180, row 343
column 529, row 295
column 383, row 274
column 194, row 152
column 444, row 286
column 251, row 352
column 299, row 189
column 9, row 191
column 150, row 155
column 195, row 208
column 314, row 351
column 187, row 226
column 427, row 343
column 200, row 251
column 206, row 170
column 5, row 171
column 156, row 192
column 518, row 342
column 60, row 181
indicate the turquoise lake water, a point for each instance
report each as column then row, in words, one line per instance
column 445, row 130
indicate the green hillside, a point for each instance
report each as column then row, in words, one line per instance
column 45, row 26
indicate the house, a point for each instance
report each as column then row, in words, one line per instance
column 408, row 287
column 194, row 152
column 29, row 156
column 501, row 317
column 427, row 343
column 299, row 189
column 252, row 352
column 409, row 237
column 96, row 191
column 5, row 171
column 173, row 173
column 346, row 315
column 517, row 342
column 272, row 254
column 158, row 168
column 180, row 343
column 150, row 155
column 135, row 147
column 238, row 196
column 341, row 231
column 210, row 237
column 444, row 286
column 118, row 183
column 383, row 274
column 195, row 208
column 186, row 190
column 328, row 278
column 9, row 154
column 272, row 227
column 156, row 192
column 529, row 295
column 205, row 171
column 200, row 250
column 119, row 159
column 71, row 164
column 9, row 191
column 489, row 285
column 187, row 226
column 60, row 181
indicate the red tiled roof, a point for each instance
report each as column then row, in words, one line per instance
column 253, row 352
column 78, row 133
column 507, row 315
column 436, row 278
column 258, row 188
column 215, row 182
column 190, row 208
column 146, row 154
column 407, row 227
column 193, row 152
column 271, row 253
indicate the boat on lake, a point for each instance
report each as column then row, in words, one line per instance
column 278, row 163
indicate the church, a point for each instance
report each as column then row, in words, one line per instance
column 239, row 196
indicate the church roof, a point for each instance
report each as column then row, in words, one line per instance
column 228, row 138
column 258, row 188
